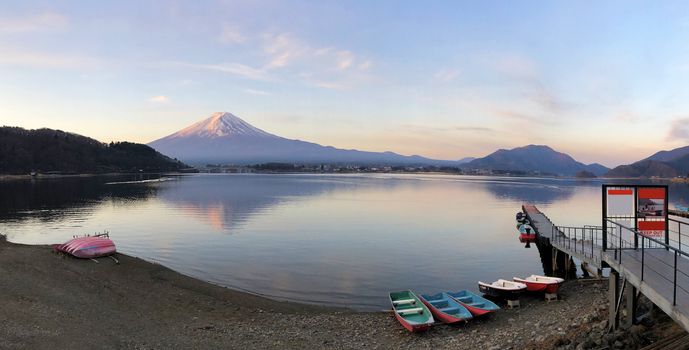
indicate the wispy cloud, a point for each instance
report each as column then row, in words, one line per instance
column 345, row 59
column 446, row 75
column 47, row 21
column 36, row 59
column 288, row 58
column 232, row 68
column 445, row 129
column 256, row 92
column 282, row 49
column 627, row 116
column 285, row 49
column 159, row 99
column 230, row 34
column 679, row 130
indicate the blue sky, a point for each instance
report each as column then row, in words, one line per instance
column 603, row 81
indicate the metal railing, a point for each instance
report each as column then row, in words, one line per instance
column 586, row 241
column 679, row 233
column 622, row 238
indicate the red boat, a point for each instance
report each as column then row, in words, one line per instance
column 527, row 237
column 87, row 247
column 536, row 283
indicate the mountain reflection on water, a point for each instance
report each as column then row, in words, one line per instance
column 330, row 239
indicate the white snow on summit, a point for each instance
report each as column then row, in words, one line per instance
column 221, row 124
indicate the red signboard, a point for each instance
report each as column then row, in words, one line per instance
column 628, row 192
column 652, row 193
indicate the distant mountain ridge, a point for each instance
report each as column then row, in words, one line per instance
column 535, row 158
column 663, row 164
column 226, row 138
column 46, row 150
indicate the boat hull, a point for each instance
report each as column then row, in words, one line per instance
column 499, row 293
column 87, row 247
column 445, row 317
column 414, row 328
column 527, row 237
column 469, row 300
column 544, row 287
column 411, row 313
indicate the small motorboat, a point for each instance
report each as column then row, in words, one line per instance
column 88, row 247
column 520, row 216
column 475, row 304
column 502, row 289
column 445, row 308
column 526, row 229
column 410, row 311
column 536, row 283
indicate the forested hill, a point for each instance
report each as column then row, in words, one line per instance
column 45, row 150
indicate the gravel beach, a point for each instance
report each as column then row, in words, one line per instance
column 49, row 302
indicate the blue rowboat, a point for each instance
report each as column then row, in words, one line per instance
column 446, row 309
column 475, row 304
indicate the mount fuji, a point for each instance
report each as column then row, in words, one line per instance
column 227, row 139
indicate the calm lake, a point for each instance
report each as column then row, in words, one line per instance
column 344, row 240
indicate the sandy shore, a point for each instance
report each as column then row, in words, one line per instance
column 49, row 302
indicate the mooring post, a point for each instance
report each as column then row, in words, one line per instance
column 613, row 295
column 630, row 294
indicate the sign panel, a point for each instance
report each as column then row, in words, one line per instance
column 651, row 211
column 620, row 202
column 651, row 203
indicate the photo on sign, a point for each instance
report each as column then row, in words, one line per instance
column 650, row 207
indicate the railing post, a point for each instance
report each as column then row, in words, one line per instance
column 643, row 255
column 604, row 208
column 620, row 246
column 674, row 288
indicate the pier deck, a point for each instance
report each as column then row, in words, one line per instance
column 661, row 275
column 582, row 243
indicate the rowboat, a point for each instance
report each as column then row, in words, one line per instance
column 503, row 289
column 475, row 304
column 87, row 247
column 526, row 229
column 527, row 237
column 410, row 311
column 445, row 309
column 536, row 283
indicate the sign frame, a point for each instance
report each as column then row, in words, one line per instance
column 635, row 189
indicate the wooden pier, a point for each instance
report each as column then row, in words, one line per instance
column 659, row 273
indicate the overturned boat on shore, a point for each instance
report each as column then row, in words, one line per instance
column 410, row 311
column 88, row 247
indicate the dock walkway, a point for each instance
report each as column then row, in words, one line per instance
column 582, row 243
column 660, row 274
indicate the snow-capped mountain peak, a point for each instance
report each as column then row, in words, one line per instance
column 221, row 124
